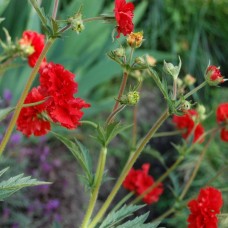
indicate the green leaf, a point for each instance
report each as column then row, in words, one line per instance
column 81, row 154
column 117, row 216
column 3, row 5
column 138, row 222
column 3, row 171
column 105, row 135
column 14, row 184
column 5, row 112
column 1, row 19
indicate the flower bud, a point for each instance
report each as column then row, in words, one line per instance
column 131, row 98
column 119, row 52
column 135, row 39
column 201, row 111
column 76, row 23
column 189, row 80
column 139, row 61
column 213, row 76
column 185, row 106
column 171, row 69
column 151, row 60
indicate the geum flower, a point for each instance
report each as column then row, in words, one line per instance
column 30, row 120
column 124, row 13
column 138, row 181
column 32, row 44
column 213, row 76
column 222, row 118
column 205, row 208
column 187, row 123
column 58, row 84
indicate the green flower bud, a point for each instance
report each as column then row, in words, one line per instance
column 131, row 98
column 140, row 61
column 201, row 111
column 185, row 106
column 76, row 23
column 119, row 52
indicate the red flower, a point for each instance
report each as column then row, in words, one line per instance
column 30, row 120
column 213, row 76
column 205, row 208
column 58, row 84
column 139, row 181
column 124, row 15
column 222, row 118
column 187, row 123
column 32, row 43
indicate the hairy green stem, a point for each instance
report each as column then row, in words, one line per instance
column 121, row 91
column 89, row 123
column 197, row 166
column 168, row 133
column 113, row 114
column 98, row 181
column 23, row 95
column 127, row 168
column 195, row 90
column 55, row 9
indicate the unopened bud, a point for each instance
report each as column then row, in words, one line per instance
column 76, row 23
column 213, row 76
column 185, row 106
column 119, row 52
column 201, row 111
column 131, row 98
column 140, row 61
column 171, row 69
column 135, row 39
column 151, row 60
column 189, row 80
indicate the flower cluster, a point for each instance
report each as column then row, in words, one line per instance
column 188, row 123
column 205, row 208
column 222, row 118
column 58, row 104
column 139, row 181
column 124, row 15
column 32, row 44
column 213, row 76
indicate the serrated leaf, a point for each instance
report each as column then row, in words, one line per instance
column 106, row 135
column 5, row 112
column 14, row 184
column 155, row 154
column 117, row 216
column 138, row 222
column 3, row 171
column 80, row 153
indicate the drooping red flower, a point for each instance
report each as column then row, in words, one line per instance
column 139, row 181
column 59, row 86
column 188, row 125
column 222, row 118
column 32, row 43
column 124, row 13
column 30, row 120
column 205, row 208
column 213, row 76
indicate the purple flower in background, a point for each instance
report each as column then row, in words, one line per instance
column 7, row 95
column 52, row 205
column 15, row 139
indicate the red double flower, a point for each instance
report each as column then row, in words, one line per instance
column 32, row 43
column 124, row 13
column 222, row 118
column 188, row 123
column 205, row 208
column 139, row 181
column 57, row 87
